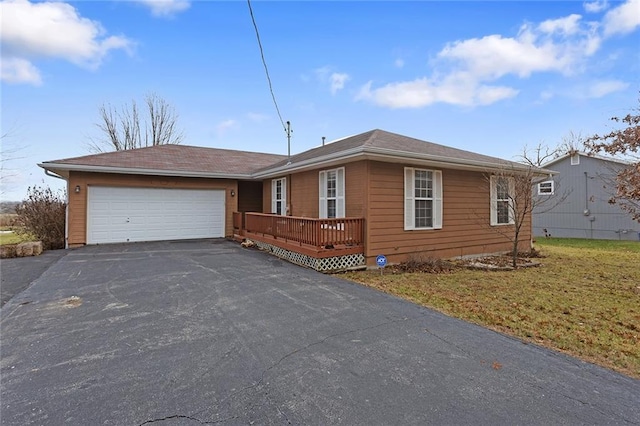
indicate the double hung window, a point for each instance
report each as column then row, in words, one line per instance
column 423, row 199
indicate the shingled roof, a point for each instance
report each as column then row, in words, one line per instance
column 180, row 160
column 386, row 146
column 183, row 160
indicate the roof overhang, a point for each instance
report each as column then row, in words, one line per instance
column 63, row 170
column 619, row 161
column 329, row 160
column 395, row 156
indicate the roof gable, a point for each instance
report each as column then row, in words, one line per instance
column 584, row 154
column 386, row 144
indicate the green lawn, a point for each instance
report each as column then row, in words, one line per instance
column 13, row 238
column 584, row 300
column 616, row 245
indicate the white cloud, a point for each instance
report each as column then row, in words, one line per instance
column 322, row 73
column 55, row 30
column 534, row 49
column 602, row 88
column 545, row 95
column 595, row 6
column 17, row 71
column 338, row 81
column 225, row 125
column 257, row 117
column 399, row 63
column 567, row 25
column 166, row 8
column 466, row 70
column 335, row 80
column 623, row 19
column 457, row 89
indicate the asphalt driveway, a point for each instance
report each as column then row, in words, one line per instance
column 203, row 332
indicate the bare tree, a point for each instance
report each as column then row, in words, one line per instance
column 513, row 195
column 124, row 128
column 570, row 144
column 626, row 142
column 8, row 152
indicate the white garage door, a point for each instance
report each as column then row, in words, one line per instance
column 116, row 215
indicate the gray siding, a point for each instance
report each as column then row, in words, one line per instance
column 585, row 213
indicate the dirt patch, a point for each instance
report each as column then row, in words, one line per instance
column 431, row 265
column 498, row 263
column 72, row 302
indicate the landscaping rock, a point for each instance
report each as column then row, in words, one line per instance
column 37, row 248
column 24, row 249
column 33, row 248
column 7, row 251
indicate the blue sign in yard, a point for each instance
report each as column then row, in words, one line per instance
column 381, row 260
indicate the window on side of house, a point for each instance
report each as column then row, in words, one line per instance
column 575, row 159
column 279, row 196
column 423, row 199
column 546, row 188
column 502, row 190
column 331, row 193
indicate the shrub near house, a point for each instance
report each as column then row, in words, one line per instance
column 42, row 215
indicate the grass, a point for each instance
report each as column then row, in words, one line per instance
column 584, row 300
column 615, row 245
column 13, row 238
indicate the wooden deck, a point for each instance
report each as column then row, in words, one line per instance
column 318, row 238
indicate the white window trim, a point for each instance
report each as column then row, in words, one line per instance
column 340, row 193
column 409, row 199
column 575, row 159
column 283, row 200
column 553, row 187
column 494, row 200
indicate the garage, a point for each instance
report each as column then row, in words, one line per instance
column 125, row 214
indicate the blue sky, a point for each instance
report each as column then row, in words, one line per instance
column 489, row 77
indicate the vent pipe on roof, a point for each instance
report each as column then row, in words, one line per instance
column 323, row 138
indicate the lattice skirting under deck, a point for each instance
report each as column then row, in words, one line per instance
column 328, row 264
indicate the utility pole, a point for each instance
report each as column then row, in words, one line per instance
column 289, row 131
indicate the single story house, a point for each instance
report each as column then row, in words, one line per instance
column 584, row 185
column 333, row 207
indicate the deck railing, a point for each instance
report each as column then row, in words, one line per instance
column 322, row 233
column 238, row 221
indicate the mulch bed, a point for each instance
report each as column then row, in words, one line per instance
column 487, row 263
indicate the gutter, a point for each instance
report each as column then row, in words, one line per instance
column 337, row 157
column 53, row 175
column 138, row 171
column 399, row 156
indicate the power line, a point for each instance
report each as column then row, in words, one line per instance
column 266, row 70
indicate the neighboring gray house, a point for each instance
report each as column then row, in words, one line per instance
column 588, row 183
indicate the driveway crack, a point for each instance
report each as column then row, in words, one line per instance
column 321, row 341
column 442, row 339
column 303, row 348
column 176, row 416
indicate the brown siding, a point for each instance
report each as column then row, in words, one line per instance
column 304, row 194
column 249, row 196
column 303, row 191
column 465, row 228
column 77, row 220
column 355, row 189
column 266, row 196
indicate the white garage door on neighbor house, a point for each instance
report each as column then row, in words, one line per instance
column 116, row 215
